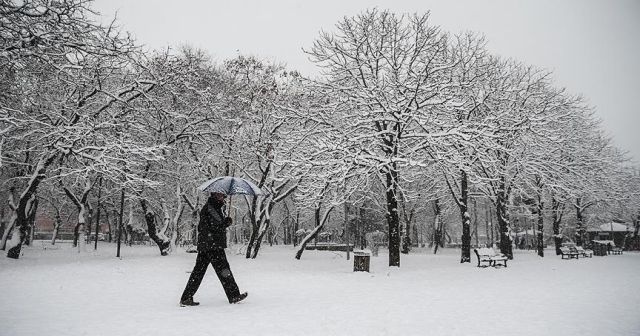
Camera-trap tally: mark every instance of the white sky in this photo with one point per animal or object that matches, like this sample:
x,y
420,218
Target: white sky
x,y
592,46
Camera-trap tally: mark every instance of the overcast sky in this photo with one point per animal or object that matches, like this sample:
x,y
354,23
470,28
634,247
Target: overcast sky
x,y
593,46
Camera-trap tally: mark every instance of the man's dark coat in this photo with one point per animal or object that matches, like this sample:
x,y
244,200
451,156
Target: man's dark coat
x,y
212,228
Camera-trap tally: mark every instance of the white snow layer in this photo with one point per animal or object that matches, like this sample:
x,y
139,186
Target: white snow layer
x,y
61,292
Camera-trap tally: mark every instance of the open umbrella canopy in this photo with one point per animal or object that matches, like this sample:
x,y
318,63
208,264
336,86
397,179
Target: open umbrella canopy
x,y
231,185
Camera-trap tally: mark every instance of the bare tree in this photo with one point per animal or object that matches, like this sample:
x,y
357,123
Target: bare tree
x,y
387,75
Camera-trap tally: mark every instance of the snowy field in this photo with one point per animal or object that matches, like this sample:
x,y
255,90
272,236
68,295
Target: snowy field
x,y
60,292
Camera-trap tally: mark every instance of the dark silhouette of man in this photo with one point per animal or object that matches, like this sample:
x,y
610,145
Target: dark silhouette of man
x,y
212,240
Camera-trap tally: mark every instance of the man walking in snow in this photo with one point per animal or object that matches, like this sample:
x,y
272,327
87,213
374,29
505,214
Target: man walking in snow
x,y
212,240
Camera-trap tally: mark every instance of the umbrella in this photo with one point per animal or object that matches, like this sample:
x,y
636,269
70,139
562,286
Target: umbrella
x,y
231,185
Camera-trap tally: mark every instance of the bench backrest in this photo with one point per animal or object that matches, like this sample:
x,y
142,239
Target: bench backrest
x,y
565,249
486,251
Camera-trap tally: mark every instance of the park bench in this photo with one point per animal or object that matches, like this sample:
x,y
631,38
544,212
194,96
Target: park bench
x,y
569,252
585,253
616,250
489,256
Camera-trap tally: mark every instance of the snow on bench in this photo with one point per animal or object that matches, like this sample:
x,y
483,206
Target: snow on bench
x,y
490,256
585,253
569,252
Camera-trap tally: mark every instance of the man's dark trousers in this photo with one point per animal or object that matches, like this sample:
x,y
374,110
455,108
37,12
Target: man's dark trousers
x,y
218,259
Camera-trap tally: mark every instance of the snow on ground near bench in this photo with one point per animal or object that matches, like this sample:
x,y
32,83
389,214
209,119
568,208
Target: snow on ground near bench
x,y
61,292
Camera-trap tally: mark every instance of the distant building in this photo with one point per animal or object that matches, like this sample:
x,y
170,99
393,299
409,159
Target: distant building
x,y
611,231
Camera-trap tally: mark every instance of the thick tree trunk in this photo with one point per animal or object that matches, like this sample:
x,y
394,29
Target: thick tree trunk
x,y
32,221
393,220
255,227
406,228
475,222
80,231
23,218
95,243
296,227
503,220
265,223
150,218
56,228
558,208
463,204
437,236
24,204
8,229
252,240
261,233
109,226
579,222
539,233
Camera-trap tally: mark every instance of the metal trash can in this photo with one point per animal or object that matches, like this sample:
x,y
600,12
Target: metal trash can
x,y
361,261
600,249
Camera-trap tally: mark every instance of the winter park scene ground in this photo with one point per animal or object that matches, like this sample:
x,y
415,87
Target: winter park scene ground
x,y
388,167
61,292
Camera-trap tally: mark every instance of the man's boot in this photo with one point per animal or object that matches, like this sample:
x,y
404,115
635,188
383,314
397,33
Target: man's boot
x,y
239,298
188,302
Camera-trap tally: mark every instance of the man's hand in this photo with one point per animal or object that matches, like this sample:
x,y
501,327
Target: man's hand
x,y
228,221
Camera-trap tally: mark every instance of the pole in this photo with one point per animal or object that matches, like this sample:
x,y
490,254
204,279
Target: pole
x,y
120,223
95,245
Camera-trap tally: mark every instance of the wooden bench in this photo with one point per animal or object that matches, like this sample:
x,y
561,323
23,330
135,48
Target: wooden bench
x,y
489,256
585,253
569,252
616,250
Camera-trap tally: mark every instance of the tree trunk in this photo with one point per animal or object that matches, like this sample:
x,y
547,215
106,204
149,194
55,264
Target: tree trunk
x,y
296,227
539,233
24,203
109,226
56,228
255,227
120,216
32,222
150,218
437,236
488,228
503,219
557,208
80,230
319,224
265,222
463,204
252,240
8,229
261,233
475,221
579,222
393,219
95,244
23,217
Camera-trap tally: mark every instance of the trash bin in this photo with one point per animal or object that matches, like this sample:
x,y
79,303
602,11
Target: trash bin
x,y
600,249
361,260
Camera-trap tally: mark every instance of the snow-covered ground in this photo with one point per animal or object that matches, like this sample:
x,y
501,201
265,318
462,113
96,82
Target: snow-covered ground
x,y
60,292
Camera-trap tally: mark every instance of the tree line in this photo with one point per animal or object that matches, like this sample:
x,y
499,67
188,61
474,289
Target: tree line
x,y
406,120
